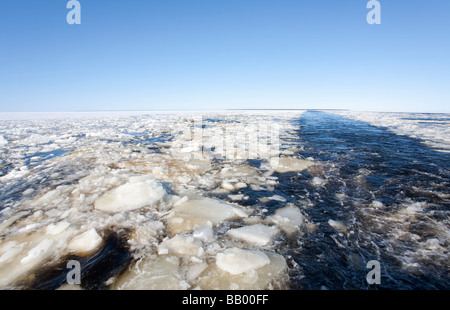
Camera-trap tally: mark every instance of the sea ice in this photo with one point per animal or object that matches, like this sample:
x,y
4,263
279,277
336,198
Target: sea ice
x,y
182,245
38,251
289,219
318,181
85,243
227,186
23,253
257,234
160,273
236,197
204,233
145,234
340,196
195,213
236,261
339,226
139,192
117,164
240,185
239,269
288,164
274,197
432,128
56,229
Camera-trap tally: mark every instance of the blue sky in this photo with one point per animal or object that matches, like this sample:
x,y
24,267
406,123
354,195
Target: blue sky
x,y
224,54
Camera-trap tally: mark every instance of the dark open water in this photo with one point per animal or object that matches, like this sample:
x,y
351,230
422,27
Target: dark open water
x,y
370,164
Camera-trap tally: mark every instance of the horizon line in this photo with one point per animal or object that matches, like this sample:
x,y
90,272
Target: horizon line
x,y
240,109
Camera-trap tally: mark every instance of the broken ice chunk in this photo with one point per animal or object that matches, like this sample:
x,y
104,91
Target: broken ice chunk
x,y
337,225
287,164
56,229
244,269
274,197
204,233
9,250
240,185
200,212
38,251
227,186
289,219
236,197
160,273
340,196
27,192
237,261
139,192
182,245
85,243
255,234
318,181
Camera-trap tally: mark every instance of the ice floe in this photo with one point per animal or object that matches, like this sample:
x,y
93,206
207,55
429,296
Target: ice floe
x,y
85,243
181,245
77,179
288,164
195,213
339,226
289,219
245,269
257,234
236,261
137,193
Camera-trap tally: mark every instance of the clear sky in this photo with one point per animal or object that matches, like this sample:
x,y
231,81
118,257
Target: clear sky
x,y
224,54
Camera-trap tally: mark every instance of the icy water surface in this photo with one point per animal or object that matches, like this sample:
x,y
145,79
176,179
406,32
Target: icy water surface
x,y
142,203
391,193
